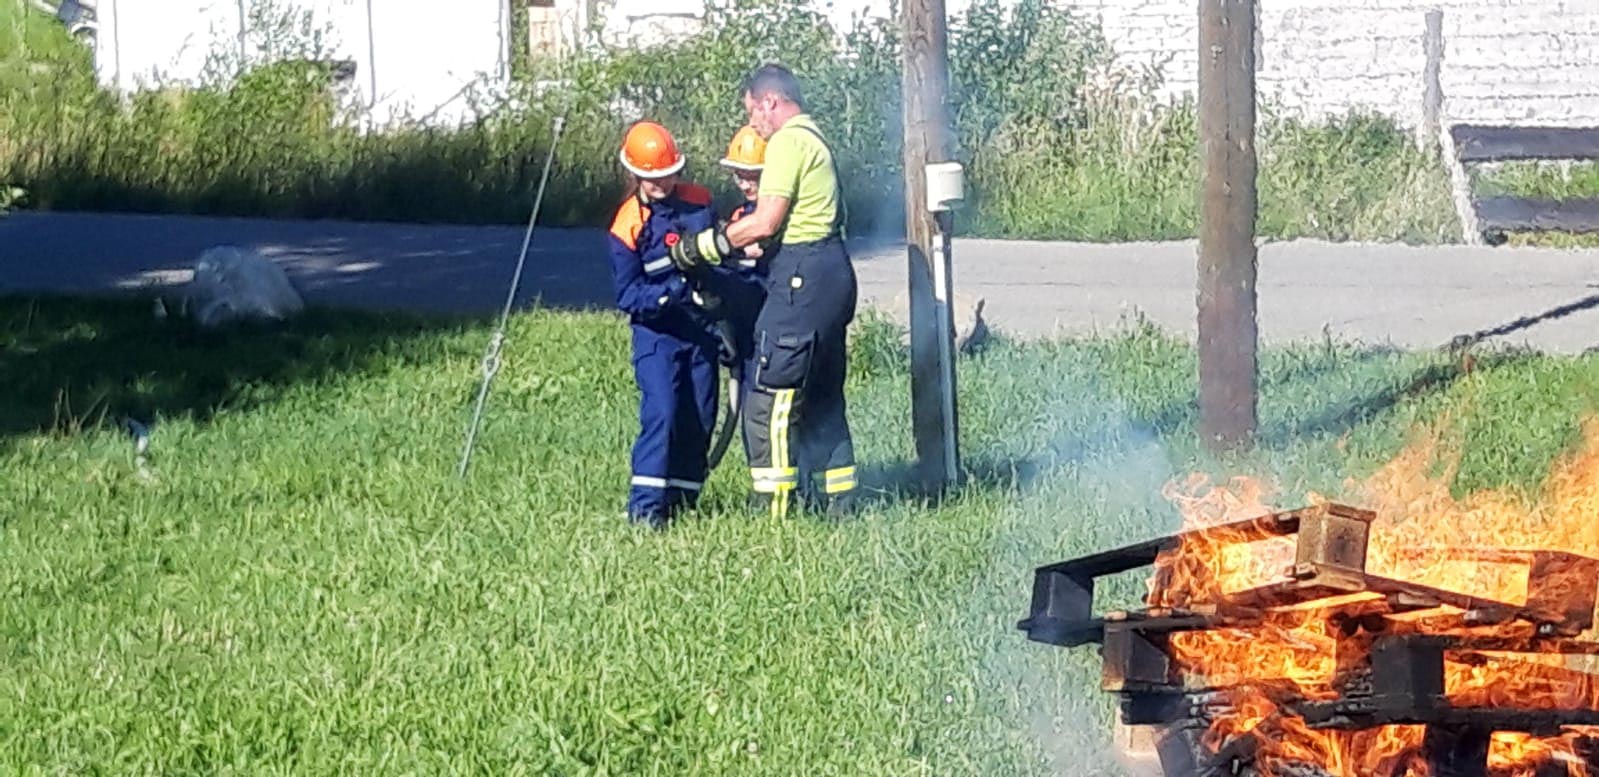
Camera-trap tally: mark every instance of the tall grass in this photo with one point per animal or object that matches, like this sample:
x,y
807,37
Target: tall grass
x,y
1061,142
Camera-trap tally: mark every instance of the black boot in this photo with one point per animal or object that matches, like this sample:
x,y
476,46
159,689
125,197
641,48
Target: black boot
x,y
654,522
842,507
799,502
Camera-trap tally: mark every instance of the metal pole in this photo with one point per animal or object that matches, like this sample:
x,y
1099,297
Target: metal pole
x,y
371,66
491,357
244,25
1432,97
116,47
943,298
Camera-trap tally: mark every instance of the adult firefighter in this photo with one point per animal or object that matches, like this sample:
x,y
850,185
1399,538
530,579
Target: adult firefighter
x,y
675,349
795,417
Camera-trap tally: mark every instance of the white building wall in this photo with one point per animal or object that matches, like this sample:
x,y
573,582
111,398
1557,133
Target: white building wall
x,y
414,58
147,43
427,54
1524,61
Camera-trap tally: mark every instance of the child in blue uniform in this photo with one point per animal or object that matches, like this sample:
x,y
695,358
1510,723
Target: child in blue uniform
x,y
674,344
744,284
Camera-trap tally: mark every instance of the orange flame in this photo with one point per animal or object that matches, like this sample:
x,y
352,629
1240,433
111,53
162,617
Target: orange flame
x,y
1419,537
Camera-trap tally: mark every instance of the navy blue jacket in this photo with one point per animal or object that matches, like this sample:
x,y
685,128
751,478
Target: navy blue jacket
x,y
653,293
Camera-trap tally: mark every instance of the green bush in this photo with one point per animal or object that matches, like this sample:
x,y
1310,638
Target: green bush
x,y
1358,177
1060,142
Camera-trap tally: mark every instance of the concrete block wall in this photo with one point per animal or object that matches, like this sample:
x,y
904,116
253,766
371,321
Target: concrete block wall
x,y
1520,61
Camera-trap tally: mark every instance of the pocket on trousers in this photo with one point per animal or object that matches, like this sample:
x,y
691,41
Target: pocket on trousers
x,y
785,361
644,362
644,349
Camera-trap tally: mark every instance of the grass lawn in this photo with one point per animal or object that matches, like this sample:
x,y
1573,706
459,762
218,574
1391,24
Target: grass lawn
x,y
296,582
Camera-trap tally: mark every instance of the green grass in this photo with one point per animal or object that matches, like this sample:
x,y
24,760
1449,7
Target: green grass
x,y
1540,179
295,581
1555,180
32,42
1133,175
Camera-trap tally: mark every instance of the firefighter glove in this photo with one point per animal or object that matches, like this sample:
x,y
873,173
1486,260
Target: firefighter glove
x,y
695,253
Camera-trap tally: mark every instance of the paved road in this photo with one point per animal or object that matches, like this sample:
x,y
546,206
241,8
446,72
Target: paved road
x,y
1409,297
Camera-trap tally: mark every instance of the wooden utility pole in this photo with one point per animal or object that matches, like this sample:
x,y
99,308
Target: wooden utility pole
x,y
925,86
1228,332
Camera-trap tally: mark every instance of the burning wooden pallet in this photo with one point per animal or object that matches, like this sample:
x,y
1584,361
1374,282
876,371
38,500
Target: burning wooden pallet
x,y
1331,670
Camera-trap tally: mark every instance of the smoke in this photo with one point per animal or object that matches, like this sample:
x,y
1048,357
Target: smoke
x,y
1069,719
1090,479
873,176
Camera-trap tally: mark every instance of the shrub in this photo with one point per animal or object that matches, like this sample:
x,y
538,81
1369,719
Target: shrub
x,y
1059,140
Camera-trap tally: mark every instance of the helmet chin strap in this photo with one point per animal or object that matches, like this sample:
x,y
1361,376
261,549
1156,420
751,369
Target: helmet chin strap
x,y
646,199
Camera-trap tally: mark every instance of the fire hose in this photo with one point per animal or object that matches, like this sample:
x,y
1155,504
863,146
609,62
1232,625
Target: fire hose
x,y
734,361
735,399
731,357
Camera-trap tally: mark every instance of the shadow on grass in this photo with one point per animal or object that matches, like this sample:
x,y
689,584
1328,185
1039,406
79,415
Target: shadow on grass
x,y
1339,415
67,365
1432,379
897,480
1525,322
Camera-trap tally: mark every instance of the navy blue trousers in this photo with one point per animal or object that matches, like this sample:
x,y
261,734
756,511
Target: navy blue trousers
x,y
677,413
794,421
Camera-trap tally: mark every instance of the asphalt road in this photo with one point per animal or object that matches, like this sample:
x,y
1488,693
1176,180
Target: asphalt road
x,y
1408,297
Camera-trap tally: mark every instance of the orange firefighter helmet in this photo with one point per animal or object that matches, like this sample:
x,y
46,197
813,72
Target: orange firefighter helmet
x,y
747,151
649,151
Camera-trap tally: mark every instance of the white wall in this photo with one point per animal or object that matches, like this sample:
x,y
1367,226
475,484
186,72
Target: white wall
x,y
1525,61
413,57
425,55
1528,61
151,42
629,23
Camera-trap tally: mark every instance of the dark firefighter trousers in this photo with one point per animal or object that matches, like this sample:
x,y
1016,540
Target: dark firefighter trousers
x,y
794,420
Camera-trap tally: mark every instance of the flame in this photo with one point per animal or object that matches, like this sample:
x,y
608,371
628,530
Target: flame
x,y
1419,537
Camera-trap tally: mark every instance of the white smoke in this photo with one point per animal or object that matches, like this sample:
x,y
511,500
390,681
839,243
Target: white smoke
x,y
1095,485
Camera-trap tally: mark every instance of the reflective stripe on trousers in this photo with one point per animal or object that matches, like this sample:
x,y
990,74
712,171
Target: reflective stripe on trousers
x,y
795,414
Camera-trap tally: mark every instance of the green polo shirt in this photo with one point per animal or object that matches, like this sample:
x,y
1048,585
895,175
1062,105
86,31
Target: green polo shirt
x,y
799,166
